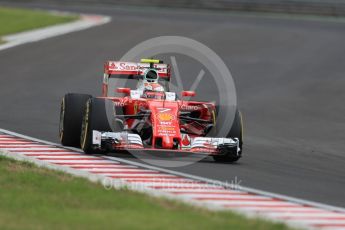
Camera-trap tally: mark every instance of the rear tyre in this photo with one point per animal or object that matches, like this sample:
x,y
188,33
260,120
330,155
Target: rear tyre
x,y
71,114
98,115
236,131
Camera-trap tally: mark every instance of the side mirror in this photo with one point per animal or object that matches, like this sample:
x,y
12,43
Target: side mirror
x,y
126,91
188,93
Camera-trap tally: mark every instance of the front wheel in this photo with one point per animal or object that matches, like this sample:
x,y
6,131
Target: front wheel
x,y
236,131
99,115
71,114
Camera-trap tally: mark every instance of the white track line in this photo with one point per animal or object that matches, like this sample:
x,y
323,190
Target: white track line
x,y
79,166
286,210
42,149
16,142
21,146
85,22
228,196
226,185
138,175
200,191
65,163
161,182
141,174
119,170
305,215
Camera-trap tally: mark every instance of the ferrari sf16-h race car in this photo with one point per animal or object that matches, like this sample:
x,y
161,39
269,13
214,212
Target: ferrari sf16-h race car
x,y
149,117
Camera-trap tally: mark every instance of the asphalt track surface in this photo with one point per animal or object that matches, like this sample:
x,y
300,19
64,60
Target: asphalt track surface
x,y
289,75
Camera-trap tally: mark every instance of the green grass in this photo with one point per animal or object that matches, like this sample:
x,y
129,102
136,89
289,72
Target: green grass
x,y
36,198
13,20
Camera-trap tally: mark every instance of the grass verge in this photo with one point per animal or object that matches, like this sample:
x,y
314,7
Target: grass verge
x,y
13,20
37,198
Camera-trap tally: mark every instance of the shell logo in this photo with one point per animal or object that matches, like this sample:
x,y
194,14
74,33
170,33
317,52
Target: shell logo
x,y
165,117
186,141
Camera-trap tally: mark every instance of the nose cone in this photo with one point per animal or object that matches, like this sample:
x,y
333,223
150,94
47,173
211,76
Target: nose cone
x,y
167,142
165,124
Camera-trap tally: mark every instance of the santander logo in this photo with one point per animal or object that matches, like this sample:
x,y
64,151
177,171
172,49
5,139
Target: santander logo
x,y
123,66
131,66
112,65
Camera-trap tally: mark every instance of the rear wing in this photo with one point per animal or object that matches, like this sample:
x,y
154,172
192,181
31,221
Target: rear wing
x,y
132,68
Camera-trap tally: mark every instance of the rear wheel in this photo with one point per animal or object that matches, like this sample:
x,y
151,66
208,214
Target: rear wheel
x,y
98,115
236,131
71,113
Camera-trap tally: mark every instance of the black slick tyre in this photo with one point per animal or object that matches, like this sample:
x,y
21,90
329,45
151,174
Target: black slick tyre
x,y
236,131
71,113
95,118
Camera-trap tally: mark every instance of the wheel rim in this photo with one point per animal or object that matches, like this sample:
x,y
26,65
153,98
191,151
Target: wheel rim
x,y
62,118
84,126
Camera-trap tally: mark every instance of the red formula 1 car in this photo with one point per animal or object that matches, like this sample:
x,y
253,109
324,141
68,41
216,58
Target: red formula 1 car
x,y
148,117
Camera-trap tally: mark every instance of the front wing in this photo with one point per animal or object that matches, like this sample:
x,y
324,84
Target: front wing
x,y
125,141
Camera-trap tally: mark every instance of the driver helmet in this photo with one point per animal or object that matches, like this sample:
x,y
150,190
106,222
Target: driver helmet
x,y
151,81
151,88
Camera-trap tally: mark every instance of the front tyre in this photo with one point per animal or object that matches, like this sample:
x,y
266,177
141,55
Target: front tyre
x,y
236,131
71,114
98,116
